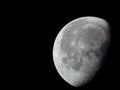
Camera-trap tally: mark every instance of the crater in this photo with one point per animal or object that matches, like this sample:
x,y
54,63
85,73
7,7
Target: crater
x,y
77,64
64,60
73,61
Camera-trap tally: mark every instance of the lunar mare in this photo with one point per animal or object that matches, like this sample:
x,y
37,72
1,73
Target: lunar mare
x,y
79,49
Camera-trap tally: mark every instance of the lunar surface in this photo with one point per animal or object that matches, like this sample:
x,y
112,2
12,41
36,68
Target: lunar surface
x,y
79,49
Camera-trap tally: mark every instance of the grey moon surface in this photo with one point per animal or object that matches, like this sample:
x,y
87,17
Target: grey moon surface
x,y
79,49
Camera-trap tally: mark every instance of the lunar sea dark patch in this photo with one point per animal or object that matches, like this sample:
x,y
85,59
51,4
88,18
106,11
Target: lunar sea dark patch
x,y
79,49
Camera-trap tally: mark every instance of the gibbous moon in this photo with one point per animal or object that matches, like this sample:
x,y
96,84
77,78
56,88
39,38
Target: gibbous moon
x,y
79,49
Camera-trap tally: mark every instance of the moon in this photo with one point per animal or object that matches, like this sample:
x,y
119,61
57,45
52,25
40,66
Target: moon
x,y
79,49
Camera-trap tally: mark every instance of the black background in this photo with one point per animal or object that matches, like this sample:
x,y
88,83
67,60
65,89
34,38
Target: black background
x,y
47,23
